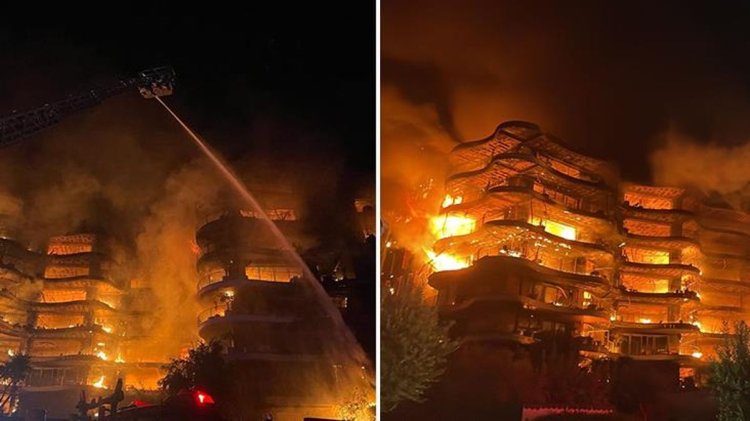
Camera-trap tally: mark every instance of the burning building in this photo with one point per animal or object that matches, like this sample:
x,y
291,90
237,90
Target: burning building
x,y
65,309
534,238
85,324
258,302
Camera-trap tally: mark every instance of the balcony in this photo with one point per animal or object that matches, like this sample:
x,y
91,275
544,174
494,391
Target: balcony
x,y
558,310
78,331
488,267
669,297
221,314
654,328
269,280
490,238
511,164
522,338
510,200
661,270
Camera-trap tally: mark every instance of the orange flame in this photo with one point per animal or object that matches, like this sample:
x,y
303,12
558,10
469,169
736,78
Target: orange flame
x,y
442,261
100,383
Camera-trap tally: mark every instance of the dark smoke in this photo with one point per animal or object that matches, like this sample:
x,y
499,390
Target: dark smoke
x,y
126,170
614,80
607,77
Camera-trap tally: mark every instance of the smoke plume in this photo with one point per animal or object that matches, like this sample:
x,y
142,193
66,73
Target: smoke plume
x,y
607,78
719,171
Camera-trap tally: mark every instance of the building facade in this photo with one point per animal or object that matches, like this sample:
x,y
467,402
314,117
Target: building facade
x,y
67,311
534,238
260,304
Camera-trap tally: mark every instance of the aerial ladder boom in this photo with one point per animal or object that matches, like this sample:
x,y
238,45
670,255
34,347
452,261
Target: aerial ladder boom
x,y
158,81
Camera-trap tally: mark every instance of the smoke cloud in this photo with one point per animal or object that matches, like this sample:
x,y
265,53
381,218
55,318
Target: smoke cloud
x,y
609,79
719,171
126,170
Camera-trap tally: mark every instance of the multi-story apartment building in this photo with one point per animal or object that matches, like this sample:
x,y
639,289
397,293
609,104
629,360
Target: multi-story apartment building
x,y
65,309
533,238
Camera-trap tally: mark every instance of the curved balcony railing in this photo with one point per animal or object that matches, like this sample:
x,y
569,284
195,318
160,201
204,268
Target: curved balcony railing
x,y
279,274
212,277
543,168
527,256
548,196
663,327
224,313
532,301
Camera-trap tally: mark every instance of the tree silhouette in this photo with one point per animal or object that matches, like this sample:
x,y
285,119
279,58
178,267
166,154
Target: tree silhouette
x,y
730,375
414,347
204,368
12,376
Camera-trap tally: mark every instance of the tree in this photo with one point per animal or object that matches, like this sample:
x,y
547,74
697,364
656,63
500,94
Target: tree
x,y
204,367
414,347
730,375
12,376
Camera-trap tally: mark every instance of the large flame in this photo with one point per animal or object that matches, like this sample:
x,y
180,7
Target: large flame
x,y
443,226
449,225
445,261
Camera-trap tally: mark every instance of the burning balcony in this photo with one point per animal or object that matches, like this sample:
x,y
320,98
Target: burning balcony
x,y
527,241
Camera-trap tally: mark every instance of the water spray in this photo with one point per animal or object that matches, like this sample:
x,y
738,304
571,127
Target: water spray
x,y
342,333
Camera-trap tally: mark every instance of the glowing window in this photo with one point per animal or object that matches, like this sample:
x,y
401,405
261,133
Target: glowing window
x,y
63,295
560,230
272,273
451,225
58,321
586,298
556,228
654,257
58,272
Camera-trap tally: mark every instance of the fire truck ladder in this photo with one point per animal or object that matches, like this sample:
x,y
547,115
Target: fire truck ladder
x,y
16,126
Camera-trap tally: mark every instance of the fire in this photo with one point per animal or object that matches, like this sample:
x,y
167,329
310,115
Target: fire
x,y
443,226
107,329
119,359
555,228
450,200
102,355
440,262
100,383
449,225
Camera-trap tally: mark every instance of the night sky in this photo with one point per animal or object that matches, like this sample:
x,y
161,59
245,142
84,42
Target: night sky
x,y
610,78
311,69
282,93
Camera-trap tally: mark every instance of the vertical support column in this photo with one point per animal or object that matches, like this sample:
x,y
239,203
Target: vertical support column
x,y
673,313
